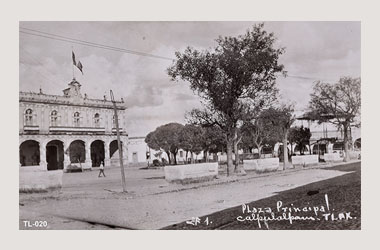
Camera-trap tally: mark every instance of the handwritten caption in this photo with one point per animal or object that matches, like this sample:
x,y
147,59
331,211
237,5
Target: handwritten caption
x,y
196,221
264,215
291,213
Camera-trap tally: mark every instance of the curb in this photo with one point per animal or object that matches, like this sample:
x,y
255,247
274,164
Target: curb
x,y
243,178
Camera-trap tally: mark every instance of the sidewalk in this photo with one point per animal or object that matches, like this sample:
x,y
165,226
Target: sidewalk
x,y
138,187
151,208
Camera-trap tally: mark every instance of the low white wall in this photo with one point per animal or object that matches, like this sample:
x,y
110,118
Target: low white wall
x,y
305,160
332,157
250,165
262,165
39,180
354,155
35,168
267,165
191,172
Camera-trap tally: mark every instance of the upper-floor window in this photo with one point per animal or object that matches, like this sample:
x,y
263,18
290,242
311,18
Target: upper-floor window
x,y
29,117
97,120
76,119
54,118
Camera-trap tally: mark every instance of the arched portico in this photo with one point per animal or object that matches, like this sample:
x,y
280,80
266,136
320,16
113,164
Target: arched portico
x,y
55,155
97,152
358,143
113,148
77,151
29,153
114,153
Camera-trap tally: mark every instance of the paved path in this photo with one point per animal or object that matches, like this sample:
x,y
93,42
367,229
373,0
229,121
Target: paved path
x,y
148,207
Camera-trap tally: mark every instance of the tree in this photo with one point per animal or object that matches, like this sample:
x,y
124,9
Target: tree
x,y
259,132
166,138
213,140
190,139
281,118
300,136
338,104
238,72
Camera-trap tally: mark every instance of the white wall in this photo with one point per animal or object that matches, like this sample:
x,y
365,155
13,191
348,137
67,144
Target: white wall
x,y
138,147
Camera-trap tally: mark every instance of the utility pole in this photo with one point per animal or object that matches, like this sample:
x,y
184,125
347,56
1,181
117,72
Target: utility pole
x,y
119,143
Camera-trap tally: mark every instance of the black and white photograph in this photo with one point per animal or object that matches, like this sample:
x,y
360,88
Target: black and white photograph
x,y
189,125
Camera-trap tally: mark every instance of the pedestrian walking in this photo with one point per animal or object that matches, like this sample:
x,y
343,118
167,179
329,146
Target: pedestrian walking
x,y
101,169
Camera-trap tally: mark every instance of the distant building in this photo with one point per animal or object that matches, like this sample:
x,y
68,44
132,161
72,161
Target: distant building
x,y
138,151
328,136
58,130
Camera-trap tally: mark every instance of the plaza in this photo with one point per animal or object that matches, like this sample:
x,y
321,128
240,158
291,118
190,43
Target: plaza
x,y
151,202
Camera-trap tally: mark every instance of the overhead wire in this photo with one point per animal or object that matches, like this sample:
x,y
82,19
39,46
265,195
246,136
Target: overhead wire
x,y
67,39
90,44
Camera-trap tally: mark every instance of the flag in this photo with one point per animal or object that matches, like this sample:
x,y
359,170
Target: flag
x,y
73,56
80,66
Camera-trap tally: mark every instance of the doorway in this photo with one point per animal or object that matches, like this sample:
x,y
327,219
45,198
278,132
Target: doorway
x,y
135,158
54,155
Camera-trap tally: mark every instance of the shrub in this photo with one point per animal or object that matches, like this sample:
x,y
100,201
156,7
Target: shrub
x,y
73,168
156,163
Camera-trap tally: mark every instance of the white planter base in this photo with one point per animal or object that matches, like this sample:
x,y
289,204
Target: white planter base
x,y
191,173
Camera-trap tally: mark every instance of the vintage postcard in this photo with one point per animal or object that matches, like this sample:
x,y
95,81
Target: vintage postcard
x,y
190,125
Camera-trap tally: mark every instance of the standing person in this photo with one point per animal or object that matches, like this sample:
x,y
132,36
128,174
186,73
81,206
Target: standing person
x,y
101,169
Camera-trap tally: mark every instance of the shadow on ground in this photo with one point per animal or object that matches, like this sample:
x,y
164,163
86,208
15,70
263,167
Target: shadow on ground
x,y
344,195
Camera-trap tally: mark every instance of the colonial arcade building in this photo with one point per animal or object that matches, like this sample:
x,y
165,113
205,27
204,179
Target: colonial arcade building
x,y
56,131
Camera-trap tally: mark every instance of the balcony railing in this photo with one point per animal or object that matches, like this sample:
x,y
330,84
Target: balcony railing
x,y
28,127
76,129
120,130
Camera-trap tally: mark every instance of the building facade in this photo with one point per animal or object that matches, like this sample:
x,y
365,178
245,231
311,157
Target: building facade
x,y
56,131
138,150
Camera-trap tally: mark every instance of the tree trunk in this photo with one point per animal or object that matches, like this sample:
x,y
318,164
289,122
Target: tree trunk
x,y
236,152
186,156
258,149
229,154
168,153
175,158
238,167
291,148
285,146
310,148
205,155
345,141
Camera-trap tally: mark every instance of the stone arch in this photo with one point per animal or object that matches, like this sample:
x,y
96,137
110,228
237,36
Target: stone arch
x,y
338,146
30,153
97,152
77,151
358,143
55,155
114,147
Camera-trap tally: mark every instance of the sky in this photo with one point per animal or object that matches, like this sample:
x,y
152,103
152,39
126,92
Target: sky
x,y
314,51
